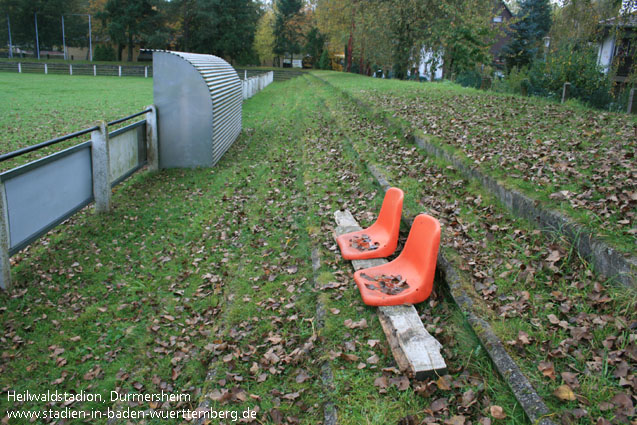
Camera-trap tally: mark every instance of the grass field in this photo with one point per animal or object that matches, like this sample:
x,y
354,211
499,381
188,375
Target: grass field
x,y
577,160
207,273
537,293
35,108
209,270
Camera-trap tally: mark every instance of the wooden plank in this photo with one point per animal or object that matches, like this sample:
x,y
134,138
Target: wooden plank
x,y
416,352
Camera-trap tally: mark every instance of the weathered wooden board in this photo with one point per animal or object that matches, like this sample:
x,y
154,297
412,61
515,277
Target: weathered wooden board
x,y
416,352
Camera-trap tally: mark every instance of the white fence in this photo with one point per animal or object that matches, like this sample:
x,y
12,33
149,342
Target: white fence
x,y
77,69
254,85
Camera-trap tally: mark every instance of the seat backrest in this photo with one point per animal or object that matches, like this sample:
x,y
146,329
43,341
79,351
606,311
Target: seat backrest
x,y
423,242
390,211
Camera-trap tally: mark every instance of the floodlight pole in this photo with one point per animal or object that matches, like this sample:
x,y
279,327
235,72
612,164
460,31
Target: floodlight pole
x,y
90,34
10,45
63,38
37,40
90,39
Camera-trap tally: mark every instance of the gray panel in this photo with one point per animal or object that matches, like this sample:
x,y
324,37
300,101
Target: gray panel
x,y
188,134
184,113
124,150
45,192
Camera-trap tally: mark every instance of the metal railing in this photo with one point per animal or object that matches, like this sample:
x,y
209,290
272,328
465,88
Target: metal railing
x,y
37,196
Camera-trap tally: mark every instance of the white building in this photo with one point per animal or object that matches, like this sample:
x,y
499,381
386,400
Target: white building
x,y
617,44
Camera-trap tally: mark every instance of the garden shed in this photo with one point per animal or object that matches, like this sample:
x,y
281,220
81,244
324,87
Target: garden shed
x,y
198,99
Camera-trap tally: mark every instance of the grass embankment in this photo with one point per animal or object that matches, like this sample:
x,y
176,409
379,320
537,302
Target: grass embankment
x,y
562,324
577,160
36,108
207,272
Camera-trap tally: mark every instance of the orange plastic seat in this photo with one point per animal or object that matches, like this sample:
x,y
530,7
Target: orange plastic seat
x,y
409,278
381,238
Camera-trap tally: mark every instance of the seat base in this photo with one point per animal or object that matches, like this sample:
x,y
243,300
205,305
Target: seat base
x,y
356,245
373,295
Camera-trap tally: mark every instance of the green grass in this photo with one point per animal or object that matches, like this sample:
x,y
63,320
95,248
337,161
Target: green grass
x,y
207,273
35,108
531,144
505,267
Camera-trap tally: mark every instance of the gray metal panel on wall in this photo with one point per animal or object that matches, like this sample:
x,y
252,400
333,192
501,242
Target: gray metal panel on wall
x,y
127,150
224,92
184,113
45,192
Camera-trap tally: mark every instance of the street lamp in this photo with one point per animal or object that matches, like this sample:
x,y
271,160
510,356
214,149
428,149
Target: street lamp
x,y
90,35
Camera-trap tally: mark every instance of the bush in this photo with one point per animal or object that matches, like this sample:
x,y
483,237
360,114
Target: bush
x,y
469,79
324,61
516,82
104,53
577,66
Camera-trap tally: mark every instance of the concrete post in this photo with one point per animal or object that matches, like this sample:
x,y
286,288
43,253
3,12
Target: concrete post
x,y
101,168
46,69
94,70
152,146
70,69
565,91
19,68
632,109
120,70
5,265
145,72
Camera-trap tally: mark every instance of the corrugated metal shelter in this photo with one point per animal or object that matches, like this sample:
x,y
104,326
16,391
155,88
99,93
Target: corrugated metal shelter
x,y
198,99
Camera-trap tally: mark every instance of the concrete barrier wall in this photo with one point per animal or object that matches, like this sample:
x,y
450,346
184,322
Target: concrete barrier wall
x,y
37,196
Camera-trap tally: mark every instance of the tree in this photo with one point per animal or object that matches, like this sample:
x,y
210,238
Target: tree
x,y
286,27
315,45
466,35
324,62
333,18
264,37
49,17
127,22
395,33
225,28
528,32
184,16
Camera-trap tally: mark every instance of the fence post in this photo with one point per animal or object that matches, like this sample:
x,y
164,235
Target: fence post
x,y
46,69
152,148
120,70
565,91
94,70
631,102
19,68
145,72
101,168
5,264
70,69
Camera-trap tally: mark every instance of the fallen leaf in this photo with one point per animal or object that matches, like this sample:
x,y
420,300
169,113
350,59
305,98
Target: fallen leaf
x,y
564,393
302,377
497,412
